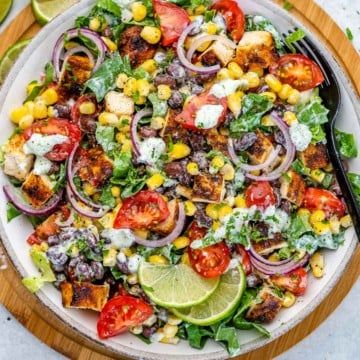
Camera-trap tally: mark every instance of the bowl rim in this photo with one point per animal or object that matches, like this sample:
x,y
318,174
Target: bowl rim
x,y
132,352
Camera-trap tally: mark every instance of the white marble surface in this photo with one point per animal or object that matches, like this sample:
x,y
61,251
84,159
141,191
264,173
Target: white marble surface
x,y
336,339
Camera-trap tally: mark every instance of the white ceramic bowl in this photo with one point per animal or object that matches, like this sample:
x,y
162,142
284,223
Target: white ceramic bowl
x,y
14,234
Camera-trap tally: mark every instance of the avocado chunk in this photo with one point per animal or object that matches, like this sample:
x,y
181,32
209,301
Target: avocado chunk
x,y
43,264
33,283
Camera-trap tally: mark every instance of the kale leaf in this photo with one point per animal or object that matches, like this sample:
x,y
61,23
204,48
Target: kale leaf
x,y
346,144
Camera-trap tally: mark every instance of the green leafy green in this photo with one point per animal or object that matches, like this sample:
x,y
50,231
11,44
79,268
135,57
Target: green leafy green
x,y
60,179
105,136
110,6
107,198
300,168
294,37
131,184
11,211
284,253
160,107
355,183
349,34
197,335
49,78
122,164
299,226
346,144
228,337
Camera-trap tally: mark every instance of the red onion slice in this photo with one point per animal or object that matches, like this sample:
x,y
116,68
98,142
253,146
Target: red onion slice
x,y
27,209
185,61
171,237
133,129
264,261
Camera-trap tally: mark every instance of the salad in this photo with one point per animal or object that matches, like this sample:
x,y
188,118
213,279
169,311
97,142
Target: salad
x,y
172,161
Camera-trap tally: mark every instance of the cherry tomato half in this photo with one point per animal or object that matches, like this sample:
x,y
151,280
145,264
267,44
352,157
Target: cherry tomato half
x,y
295,281
173,21
56,126
234,17
298,71
245,259
320,199
261,194
121,312
142,210
187,117
211,261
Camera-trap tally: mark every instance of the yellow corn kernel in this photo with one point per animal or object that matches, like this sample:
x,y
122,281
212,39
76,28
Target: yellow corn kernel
x,y
185,259
199,10
252,78
51,112
192,168
334,225
26,121
215,225
31,86
190,208
256,69
115,191
89,189
126,146
223,74
155,181
139,11
141,233
346,221
17,114
235,70
267,120
181,242
30,105
288,299
157,123
151,34
50,96
317,216
240,202
274,257
270,95
217,162
228,172
179,151
158,259
173,320
317,175
211,28
285,92
140,100
121,80
87,108
203,47
44,246
107,118
94,24
127,252
234,102
294,97
143,87
290,117
304,212
170,330
224,211
132,279
273,83
120,138
172,341
149,65
212,211
110,44
317,264
321,228
164,92
130,87
40,110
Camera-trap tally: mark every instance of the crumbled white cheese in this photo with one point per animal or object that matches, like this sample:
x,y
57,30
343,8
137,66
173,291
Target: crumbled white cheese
x,y
208,116
41,144
120,238
151,149
227,87
300,136
134,262
42,165
121,258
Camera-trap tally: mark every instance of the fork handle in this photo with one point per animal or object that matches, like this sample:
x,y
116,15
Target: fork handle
x,y
344,183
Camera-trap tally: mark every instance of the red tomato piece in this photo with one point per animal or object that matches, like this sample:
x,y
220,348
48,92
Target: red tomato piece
x,y
298,71
56,126
187,117
33,239
211,261
320,199
245,259
261,194
121,312
295,281
173,21
234,17
142,210
75,110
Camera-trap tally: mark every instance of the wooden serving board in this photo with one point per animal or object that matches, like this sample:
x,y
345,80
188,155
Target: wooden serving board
x,y
29,311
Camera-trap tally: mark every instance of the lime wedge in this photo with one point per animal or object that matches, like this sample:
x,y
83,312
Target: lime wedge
x,y
221,303
7,61
175,286
5,6
46,10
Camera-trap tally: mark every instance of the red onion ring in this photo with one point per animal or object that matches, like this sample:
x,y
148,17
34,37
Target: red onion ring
x,y
290,154
47,209
71,34
133,129
264,261
168,239
185,61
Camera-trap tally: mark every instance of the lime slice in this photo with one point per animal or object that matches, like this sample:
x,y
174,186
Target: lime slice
x,y
46,10
220,304
175,286
7,61
5,6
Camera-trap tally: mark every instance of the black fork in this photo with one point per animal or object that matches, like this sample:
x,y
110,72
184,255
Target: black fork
x,y
331,95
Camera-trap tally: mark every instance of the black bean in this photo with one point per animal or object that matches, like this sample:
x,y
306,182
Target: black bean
x,y
176,100
147,131
197,89
83,271
286,206
148,331
203,78
200,158
165,80
88,124
253,280
97,269
64,111
279,137
198,141
201,218
246,141
176,71
56,256
229,118
107,32
53,240
123,267
177,170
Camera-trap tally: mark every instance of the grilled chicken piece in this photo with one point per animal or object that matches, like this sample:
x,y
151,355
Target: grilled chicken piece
x,y
208,188
172,128
16,162
37,189
96,168
261,149
218,51
84,295
315,156
255,48
133,45
78,69
119,103
293,187
167,226
266,306
268,246
184,191
217,141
